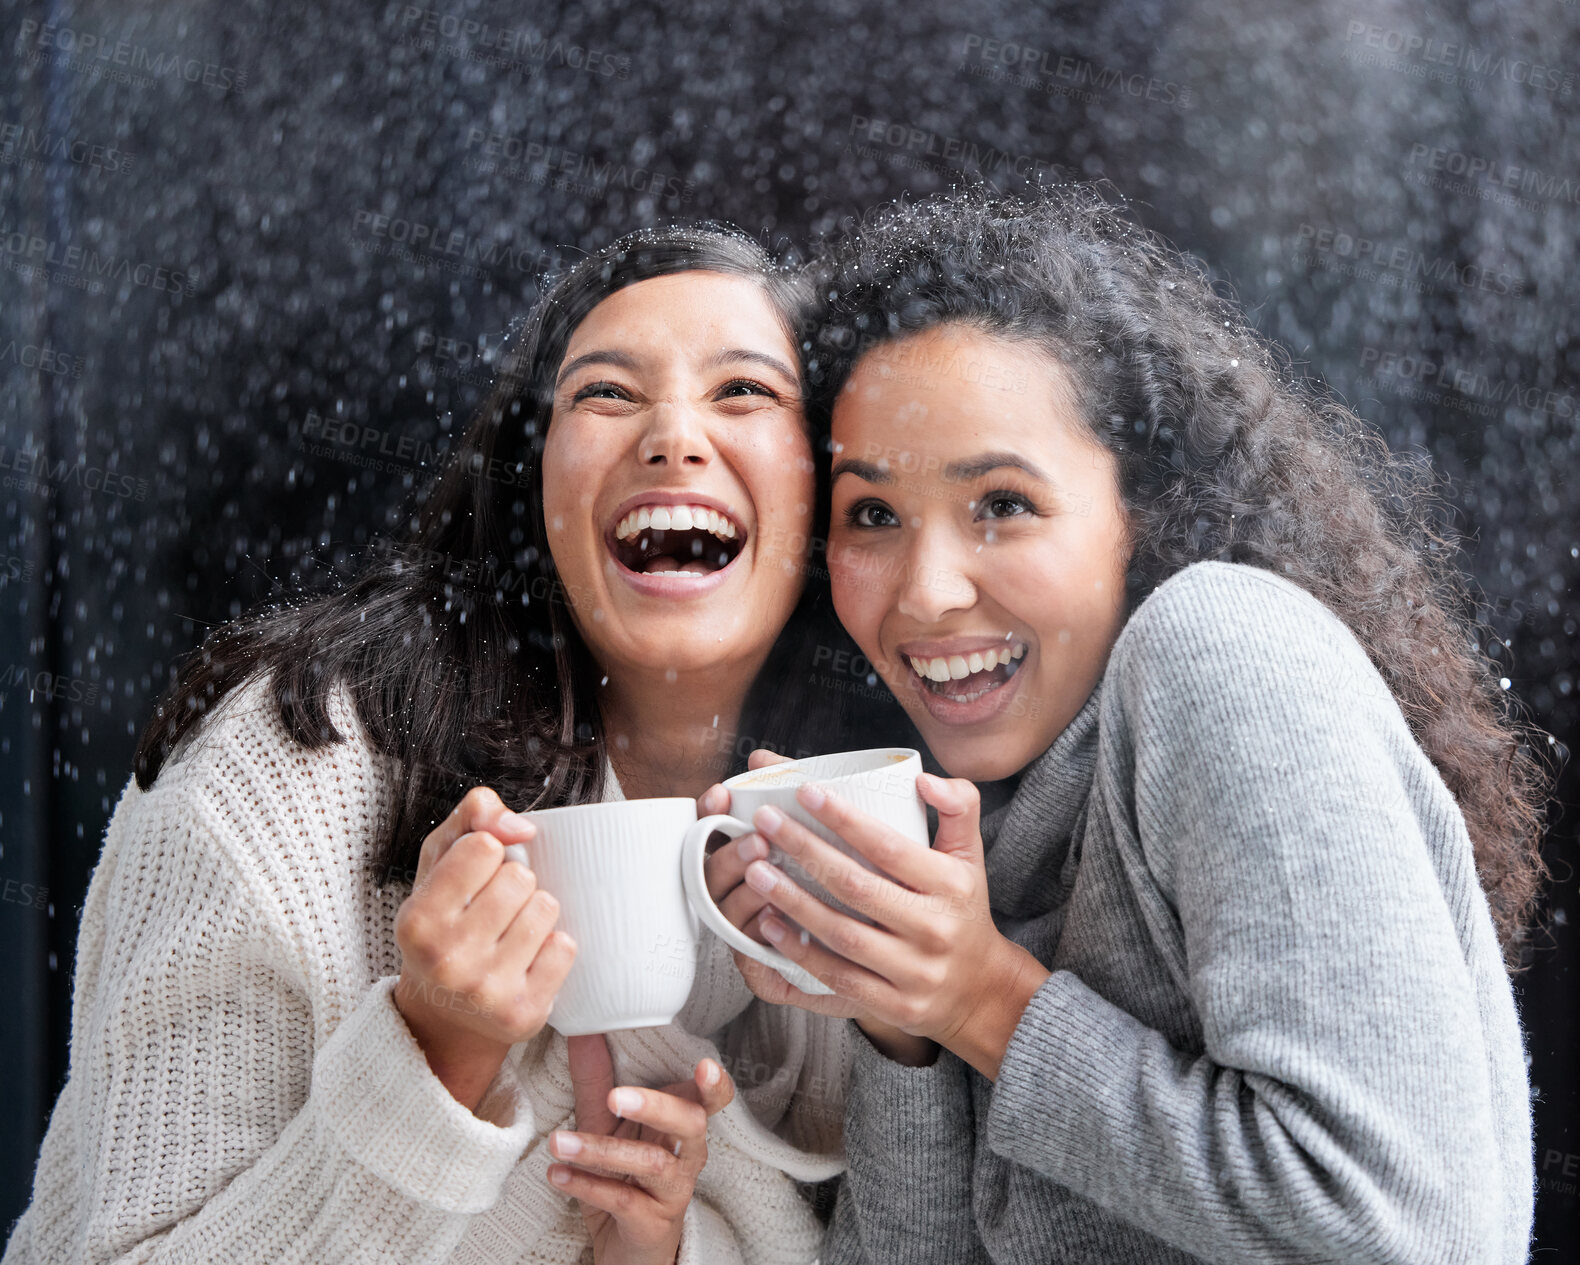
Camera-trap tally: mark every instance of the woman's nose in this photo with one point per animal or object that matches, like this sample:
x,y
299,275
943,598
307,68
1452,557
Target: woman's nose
x,y
675,436
934,584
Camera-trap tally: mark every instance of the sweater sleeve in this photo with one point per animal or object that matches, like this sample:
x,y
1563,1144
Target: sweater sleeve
x,y
910,1142
1340,1107
199,1123
706,1237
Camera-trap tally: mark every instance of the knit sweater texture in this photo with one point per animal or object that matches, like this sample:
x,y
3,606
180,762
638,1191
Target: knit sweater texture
x,y
1277,1028
242,1087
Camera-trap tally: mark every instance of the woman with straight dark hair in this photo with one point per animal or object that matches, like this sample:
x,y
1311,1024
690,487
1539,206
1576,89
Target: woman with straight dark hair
x,y
311,991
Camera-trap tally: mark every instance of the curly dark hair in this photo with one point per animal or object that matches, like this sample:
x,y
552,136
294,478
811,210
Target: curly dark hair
x,y
1223,453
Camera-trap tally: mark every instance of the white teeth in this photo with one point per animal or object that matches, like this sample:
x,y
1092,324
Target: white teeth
x,y
956,667
675,518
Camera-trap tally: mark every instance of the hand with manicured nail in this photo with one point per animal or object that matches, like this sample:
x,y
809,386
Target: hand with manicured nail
x,y
480,959
633,1160
932,965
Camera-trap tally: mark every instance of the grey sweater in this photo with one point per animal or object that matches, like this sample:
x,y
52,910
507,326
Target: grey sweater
x,y
1278,1027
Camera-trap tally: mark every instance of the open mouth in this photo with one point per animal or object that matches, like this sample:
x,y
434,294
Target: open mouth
x,y
677,539
964,678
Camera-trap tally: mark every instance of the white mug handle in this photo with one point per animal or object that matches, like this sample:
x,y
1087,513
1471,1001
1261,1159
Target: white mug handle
x,y
692,858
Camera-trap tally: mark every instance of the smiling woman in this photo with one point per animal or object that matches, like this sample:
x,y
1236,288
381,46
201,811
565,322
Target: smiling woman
x,y
311,989
678,497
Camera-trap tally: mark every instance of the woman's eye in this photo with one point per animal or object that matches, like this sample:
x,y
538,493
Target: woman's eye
x,y
870,514
746,386
601,391
1004,505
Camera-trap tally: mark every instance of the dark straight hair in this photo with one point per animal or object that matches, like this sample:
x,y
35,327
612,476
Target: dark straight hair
x,y
456,643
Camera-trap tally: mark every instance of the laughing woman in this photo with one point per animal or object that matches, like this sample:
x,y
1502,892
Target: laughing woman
x,y
1224,979
285,1049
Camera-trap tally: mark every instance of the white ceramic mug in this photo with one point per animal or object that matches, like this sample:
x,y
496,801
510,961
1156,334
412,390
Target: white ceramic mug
x,y
880,782
633,892
615,869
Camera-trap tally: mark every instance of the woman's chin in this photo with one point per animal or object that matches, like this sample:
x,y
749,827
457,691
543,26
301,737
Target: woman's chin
x,y
977,761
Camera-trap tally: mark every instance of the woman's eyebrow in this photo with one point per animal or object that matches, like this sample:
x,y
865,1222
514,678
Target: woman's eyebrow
x,y
733,354
955,471
861,469
619,359
974,467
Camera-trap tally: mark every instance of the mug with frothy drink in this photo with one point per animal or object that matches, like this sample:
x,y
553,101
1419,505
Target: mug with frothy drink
x,y
629,879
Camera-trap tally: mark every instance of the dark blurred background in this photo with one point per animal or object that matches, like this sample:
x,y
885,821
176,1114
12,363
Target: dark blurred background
x,y
258,260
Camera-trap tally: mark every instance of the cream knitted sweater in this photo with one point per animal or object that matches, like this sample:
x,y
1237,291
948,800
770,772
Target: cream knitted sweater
x,y
242,1088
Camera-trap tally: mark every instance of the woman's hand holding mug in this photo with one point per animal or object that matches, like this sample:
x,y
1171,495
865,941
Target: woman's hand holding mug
x,y
480,958
746,907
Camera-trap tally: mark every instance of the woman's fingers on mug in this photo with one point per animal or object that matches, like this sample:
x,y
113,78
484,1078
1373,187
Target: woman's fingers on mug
x,y
463,871
855,941
773,988
546,975
524,935
761,759
885,847
714,800
849,980
495,905
727,863
479,809
741,906
851,882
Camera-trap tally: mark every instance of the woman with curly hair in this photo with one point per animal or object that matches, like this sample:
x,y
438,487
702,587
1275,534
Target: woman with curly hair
x,y
1223,975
